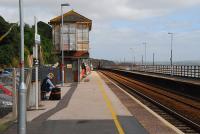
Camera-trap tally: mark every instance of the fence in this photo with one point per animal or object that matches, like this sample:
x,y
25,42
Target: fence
x,y
175,70
44,71
10,84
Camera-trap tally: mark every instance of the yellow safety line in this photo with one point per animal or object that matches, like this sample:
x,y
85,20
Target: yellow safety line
x,y
110,107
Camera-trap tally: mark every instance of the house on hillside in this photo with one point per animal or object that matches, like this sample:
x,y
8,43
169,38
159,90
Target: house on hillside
x,y
75,40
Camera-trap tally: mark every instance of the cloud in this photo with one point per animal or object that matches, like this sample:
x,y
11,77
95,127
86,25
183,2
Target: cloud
x,y
130,9
101,10
114,41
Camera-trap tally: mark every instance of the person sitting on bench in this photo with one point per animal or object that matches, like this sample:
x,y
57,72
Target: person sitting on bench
x,y
47,86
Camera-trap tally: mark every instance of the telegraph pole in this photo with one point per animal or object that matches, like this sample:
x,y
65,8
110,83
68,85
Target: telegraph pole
x,y
22,88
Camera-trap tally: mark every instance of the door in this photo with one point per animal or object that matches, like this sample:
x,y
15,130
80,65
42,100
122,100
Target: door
x,y
69,72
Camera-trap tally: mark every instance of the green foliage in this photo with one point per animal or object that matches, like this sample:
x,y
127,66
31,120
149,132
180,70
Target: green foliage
x,y
4,25
46,42
5,55
15,62
10,45
29,38
45,29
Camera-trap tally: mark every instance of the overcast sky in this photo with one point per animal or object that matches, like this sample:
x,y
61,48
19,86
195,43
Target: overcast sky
x,y
119,25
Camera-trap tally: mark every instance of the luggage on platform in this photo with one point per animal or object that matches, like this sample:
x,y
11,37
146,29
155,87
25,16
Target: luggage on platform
x,y
55,94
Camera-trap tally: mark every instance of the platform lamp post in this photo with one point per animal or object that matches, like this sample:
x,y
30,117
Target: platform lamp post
x,y
145,54
171,57
36,62
153,58
133,60
62,44
142,62
22,87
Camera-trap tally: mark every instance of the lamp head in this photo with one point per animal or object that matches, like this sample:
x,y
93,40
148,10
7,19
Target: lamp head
x,y
65,4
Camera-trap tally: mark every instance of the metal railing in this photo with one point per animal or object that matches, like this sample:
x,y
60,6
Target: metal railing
x,y
175,70
44,71
7,101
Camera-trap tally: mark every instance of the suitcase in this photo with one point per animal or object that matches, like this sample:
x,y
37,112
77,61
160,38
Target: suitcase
x,y
55,94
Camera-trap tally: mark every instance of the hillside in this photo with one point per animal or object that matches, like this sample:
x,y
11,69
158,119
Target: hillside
x,y
98,63
10,45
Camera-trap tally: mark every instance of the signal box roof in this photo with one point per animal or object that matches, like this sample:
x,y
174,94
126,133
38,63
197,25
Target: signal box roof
x,y
71,17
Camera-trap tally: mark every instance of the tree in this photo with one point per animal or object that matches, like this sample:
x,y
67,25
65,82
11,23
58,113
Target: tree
x,y
10,45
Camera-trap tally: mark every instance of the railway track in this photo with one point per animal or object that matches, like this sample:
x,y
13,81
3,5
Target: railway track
x,y
182,112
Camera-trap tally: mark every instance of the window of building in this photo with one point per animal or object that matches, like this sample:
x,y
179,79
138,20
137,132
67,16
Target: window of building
x,y
69,36
82,33
56,37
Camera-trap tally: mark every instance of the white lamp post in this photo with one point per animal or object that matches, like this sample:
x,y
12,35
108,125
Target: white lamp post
x,y
171,58
133,60
22,87
37,42
62,44
145,54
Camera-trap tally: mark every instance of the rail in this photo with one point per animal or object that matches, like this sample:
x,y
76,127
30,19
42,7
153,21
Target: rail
x,y
139,89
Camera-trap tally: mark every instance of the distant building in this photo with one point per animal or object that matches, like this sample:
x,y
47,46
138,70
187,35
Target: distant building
x,y
76,30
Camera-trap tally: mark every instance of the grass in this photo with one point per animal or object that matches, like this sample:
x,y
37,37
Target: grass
x,y
4,126
5,122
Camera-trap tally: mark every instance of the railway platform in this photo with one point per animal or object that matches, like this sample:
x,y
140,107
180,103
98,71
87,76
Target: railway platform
x,y
193,81
91,107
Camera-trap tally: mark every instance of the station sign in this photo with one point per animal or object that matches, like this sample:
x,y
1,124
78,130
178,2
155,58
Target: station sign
x,y
37,39
69,66
36,62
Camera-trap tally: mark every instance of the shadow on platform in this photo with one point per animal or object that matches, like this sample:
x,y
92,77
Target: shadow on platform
x,y
40,125
63,103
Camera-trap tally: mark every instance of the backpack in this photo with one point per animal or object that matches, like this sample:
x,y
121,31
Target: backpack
x,y
44,86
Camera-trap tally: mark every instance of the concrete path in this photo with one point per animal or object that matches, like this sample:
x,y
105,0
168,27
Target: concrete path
x,y
85,108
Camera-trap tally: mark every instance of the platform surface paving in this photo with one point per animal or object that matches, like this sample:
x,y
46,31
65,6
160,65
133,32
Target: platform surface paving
x,y
88,107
